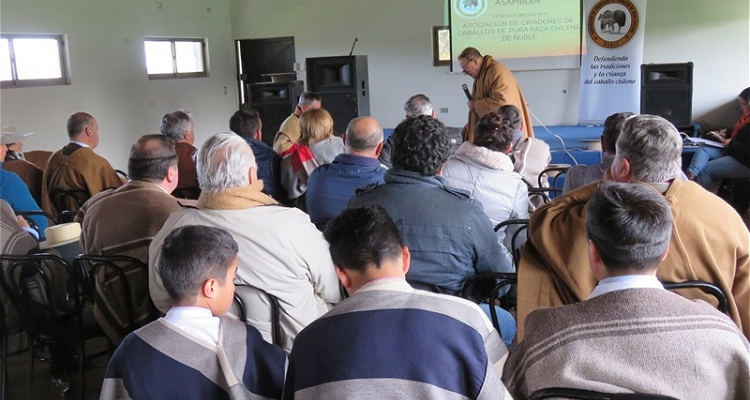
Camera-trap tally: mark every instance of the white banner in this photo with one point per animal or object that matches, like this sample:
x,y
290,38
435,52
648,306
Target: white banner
x,y
613,54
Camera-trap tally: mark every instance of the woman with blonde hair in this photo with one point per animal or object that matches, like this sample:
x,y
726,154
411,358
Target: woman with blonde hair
x,y
316,146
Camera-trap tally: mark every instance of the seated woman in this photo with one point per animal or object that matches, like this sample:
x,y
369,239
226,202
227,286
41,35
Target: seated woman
x,y
316,146
733,161
484,169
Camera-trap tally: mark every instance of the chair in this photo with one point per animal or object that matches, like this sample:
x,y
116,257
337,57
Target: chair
x,y
118,287
419,285
32,224
583,394
186,193
523,228
122,174
39,285
486,287
246,314
67,202
705,287
553,190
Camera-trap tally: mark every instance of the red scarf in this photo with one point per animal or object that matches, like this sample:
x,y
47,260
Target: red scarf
x,y
303,162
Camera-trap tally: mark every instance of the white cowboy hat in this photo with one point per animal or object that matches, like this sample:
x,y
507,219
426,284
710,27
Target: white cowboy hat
x,y
10,135
61,235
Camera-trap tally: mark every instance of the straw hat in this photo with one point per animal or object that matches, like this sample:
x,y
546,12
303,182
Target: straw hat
x,y
61,235
10,135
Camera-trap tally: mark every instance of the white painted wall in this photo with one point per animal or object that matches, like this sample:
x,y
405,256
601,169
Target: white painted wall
x,y
109,78
396,35
108,70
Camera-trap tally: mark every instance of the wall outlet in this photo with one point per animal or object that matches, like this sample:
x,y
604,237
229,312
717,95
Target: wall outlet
x,y
444,110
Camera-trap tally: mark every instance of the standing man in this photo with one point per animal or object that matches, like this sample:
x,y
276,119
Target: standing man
x,y
288,133
76,166
178,126
494,86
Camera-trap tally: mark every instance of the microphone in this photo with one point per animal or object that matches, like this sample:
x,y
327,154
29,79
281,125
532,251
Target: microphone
x,y
353,43
466,92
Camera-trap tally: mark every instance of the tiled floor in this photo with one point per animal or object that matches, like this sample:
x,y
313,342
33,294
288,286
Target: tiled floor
x,y
18,366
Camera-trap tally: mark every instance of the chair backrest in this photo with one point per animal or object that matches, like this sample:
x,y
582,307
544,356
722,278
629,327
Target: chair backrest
x,y
248,314
39,286
486,287
706,287
583,394
32,224
67,202
186,193
426,286
118,287
555,172
521,226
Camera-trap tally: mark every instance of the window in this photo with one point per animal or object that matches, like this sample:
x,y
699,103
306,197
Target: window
x,y
441,45
32,60
175,58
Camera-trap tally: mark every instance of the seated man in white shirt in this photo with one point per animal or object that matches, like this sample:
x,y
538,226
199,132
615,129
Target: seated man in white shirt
x,y
631,335
194,352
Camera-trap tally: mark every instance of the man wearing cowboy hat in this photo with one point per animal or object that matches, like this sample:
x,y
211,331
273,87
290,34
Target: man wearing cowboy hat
x,y
14,161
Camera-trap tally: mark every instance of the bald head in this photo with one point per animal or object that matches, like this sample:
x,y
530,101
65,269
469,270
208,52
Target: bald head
x,y
364,137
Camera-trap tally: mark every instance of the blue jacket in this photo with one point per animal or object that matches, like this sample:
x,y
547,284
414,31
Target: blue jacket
x,y
446,230
269,165
331,186
14,191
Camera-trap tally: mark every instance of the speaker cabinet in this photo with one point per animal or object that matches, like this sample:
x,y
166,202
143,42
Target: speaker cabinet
x,y
667,91
343,86
274,102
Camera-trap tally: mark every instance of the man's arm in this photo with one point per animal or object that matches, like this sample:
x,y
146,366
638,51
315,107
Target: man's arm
x,y
315,254
488,253
102,177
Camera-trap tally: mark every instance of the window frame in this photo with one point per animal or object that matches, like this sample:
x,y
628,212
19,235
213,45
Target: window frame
x,y
436,61
62,53
178,75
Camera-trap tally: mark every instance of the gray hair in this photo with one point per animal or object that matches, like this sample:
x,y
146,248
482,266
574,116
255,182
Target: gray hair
x,y
224,162
417,105
174,125
307,98
653,147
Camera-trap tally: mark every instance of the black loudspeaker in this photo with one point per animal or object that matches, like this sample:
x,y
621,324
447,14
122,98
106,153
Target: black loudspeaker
x,y
667,91
343,86
274,102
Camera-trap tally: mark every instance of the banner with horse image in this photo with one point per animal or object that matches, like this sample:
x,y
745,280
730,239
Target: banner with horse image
x,y
612,58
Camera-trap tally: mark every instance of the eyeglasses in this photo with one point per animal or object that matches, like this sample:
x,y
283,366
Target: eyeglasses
x,y
463,67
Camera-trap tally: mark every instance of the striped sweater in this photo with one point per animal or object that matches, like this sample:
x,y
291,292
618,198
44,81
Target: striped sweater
x,y
390,341
634,340
160,361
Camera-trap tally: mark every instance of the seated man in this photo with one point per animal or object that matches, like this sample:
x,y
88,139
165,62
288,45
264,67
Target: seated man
x,y
124,220
415,106
246,123
282,252
194,351
581,175
450,237
331,186
388,340
179,127
15,192
76,166
631,335
709,240
14,161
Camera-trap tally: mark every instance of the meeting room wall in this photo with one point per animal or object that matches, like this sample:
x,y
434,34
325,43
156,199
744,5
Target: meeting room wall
x,y
108,70
396,36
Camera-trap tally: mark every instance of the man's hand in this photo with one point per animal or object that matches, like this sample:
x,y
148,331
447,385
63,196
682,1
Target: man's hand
x,y
470,103
22,221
